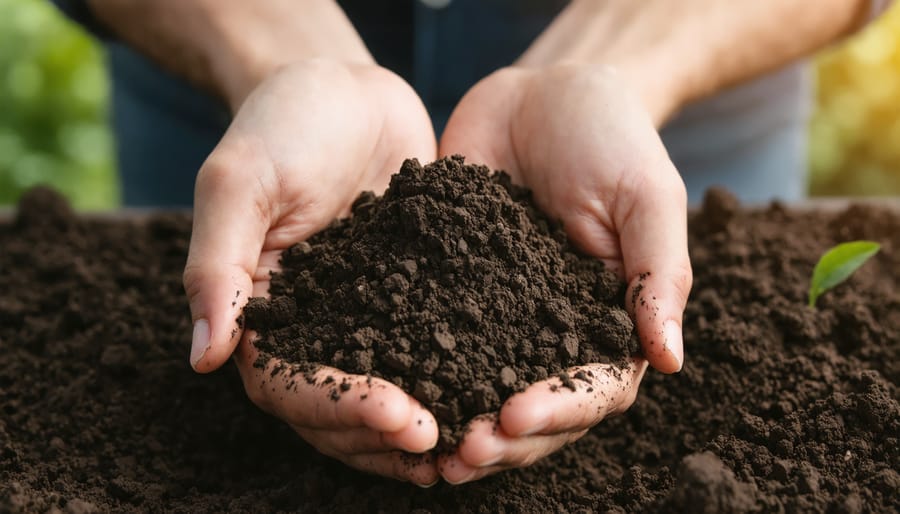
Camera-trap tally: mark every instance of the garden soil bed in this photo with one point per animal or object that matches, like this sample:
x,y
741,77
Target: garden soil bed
x,y
778,408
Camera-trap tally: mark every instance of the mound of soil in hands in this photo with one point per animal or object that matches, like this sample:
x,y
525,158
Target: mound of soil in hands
x,y
452,286
779,408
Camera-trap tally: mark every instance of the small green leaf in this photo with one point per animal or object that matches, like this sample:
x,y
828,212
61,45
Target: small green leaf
x,y
838,264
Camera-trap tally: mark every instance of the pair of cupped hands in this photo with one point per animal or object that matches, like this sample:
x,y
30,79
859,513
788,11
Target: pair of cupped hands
x,y
313,134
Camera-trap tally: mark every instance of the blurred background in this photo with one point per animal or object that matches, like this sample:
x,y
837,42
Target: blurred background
x,y
53,110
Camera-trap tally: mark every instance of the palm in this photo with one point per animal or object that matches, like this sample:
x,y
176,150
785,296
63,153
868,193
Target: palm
x,y
575,145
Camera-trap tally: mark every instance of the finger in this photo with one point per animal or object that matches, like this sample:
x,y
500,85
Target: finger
x,y
419,469
326,398
456,472
653,230
519,453
228,233
418,436
549,407
269,262
352,441
486,445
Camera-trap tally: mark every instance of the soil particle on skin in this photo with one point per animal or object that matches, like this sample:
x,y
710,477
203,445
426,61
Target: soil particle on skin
x,y
452,286
799,406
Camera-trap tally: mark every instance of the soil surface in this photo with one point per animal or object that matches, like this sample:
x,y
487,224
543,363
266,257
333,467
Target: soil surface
x,y
452,286
779,408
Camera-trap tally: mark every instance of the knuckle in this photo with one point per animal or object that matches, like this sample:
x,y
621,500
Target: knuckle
x,y
192,278
234,165
219,169
682,277
633,184
687,279
189,281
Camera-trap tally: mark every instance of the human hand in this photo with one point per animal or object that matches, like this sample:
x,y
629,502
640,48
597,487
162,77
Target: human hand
x,y
542,419
302,146
582,140
369,424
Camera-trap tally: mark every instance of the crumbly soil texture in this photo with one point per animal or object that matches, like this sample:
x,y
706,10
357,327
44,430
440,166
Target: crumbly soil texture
x,y
779,408
453,286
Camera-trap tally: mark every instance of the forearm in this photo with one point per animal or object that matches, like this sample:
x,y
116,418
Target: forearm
x,y
675,52
229,46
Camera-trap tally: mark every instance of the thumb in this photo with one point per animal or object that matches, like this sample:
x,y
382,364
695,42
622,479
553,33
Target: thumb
x,y
228,233
653,235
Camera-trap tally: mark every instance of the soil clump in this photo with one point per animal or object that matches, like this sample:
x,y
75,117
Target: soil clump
x,y
452,286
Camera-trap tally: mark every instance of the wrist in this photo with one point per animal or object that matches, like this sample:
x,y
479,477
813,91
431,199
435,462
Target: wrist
x,y
660,89
262,41
590,33
228,47
674,53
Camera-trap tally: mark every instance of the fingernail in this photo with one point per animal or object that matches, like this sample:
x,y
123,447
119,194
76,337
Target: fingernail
x,y
426,486
462,480
199,341
674,342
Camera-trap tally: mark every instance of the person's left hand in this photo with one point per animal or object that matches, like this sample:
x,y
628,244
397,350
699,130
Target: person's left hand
x,y
303,144
582,139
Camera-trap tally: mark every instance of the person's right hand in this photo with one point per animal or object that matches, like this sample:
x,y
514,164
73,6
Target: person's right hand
x,y
302,146
584,142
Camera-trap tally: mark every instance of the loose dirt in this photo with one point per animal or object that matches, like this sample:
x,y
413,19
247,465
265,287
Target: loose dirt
x,y
779,408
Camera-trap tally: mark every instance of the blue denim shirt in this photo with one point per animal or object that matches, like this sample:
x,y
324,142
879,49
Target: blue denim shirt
x,y
751,139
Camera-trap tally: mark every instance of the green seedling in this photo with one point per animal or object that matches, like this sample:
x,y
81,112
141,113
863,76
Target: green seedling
x,y
837,264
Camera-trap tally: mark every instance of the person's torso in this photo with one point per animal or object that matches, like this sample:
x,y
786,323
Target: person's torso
x,y
442,48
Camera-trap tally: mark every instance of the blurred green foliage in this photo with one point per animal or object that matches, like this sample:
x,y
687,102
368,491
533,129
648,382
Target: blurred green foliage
x,y
855,130
53,109
54,127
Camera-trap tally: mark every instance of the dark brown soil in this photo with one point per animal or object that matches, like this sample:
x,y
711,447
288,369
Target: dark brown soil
x,y
779,408
452,286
